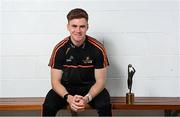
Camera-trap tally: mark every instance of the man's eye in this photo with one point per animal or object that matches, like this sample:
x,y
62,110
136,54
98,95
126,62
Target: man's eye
x,y
82,26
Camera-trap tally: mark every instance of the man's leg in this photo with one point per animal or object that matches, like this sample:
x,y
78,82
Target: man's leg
x,y
102,103
52,104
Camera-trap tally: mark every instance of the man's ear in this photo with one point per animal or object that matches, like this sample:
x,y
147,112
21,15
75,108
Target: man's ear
x,y
67,26
87,26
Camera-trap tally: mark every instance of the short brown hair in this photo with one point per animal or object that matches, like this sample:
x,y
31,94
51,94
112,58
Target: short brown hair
x,y
77,13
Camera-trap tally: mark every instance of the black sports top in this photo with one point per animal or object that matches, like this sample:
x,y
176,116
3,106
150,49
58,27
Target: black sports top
x,y
78,63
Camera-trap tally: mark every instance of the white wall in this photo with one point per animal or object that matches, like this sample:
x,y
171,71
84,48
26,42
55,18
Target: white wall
x,y
0,49
141,32
179,44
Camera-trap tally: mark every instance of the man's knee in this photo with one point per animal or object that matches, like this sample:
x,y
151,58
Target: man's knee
x,y
104,106
104,110
49,110
48,106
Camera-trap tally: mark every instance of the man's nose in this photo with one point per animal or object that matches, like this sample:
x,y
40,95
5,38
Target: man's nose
x,y
78,29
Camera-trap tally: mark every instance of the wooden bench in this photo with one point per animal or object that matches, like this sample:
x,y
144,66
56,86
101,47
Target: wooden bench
x,y
170,105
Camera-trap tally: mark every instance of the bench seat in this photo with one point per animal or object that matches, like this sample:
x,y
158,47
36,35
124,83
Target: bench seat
x,y
168,104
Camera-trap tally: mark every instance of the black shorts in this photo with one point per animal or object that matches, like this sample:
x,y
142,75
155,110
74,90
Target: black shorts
x,y
53,102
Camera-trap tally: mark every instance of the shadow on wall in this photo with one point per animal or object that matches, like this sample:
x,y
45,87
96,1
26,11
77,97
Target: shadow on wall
x,y
114,71
117,76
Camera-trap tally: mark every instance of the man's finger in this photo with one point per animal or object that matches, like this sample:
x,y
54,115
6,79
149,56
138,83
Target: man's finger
x,y
78,106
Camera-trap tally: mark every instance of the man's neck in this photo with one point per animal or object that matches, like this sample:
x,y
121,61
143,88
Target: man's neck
x,y
77,43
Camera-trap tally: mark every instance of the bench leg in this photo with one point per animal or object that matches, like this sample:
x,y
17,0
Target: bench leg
x,y
176,112
171,112
167,113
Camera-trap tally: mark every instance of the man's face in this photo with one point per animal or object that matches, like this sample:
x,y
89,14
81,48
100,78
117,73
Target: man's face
x,y
78,29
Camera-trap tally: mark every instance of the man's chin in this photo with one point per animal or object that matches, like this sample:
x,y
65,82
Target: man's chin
x,y
78,38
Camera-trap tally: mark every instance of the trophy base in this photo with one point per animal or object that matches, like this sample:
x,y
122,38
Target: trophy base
x,y
129,98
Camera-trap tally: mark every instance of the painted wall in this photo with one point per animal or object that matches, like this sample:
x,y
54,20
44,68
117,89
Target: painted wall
x,y
144,33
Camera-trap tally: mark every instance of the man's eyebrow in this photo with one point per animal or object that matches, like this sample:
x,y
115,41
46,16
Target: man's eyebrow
x,y
82,25
74,25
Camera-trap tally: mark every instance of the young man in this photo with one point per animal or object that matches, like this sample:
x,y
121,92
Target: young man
x,y
78,70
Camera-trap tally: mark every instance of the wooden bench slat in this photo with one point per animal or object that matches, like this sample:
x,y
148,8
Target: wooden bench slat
x,y
20,107
24,103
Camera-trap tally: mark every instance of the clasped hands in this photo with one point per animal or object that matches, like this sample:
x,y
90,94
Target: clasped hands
x,y
77,103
